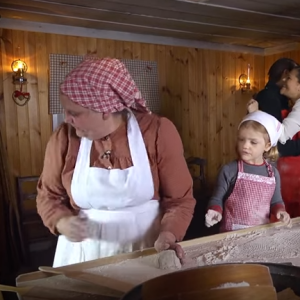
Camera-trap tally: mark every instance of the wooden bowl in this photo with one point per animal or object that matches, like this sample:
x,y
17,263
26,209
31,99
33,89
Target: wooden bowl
x,y
236,293
201,282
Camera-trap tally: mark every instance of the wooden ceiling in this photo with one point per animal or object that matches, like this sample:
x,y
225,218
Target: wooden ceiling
x,y
258,23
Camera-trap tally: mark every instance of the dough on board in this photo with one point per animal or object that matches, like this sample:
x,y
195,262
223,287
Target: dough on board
x,y
167,260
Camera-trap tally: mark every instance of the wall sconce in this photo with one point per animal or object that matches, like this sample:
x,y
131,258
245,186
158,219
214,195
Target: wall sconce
x,y
19,68
244,81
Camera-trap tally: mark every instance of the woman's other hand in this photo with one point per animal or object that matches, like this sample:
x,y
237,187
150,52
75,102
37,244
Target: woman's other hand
x,y
74,228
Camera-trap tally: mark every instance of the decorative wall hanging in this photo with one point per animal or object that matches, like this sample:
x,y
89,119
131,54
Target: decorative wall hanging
x,y
19,68
144,73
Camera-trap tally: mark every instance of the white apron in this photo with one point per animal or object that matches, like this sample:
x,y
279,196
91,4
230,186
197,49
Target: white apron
x,y
118,203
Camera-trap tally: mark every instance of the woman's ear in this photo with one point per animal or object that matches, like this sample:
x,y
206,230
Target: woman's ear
x,y
285,75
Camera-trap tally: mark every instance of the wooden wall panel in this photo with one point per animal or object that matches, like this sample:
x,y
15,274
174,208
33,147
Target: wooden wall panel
x,y
270,59
199,91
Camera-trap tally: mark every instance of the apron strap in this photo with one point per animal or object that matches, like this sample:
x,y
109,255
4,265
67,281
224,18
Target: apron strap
x,y
240,166
270,169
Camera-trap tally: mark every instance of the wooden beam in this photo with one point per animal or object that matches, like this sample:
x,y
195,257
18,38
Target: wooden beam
x,y
201,8
111,26
289,8
121,36
219,17
209,33
127,19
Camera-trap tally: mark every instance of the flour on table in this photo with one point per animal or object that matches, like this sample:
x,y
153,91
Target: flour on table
x,y
220,254
231,285
276,245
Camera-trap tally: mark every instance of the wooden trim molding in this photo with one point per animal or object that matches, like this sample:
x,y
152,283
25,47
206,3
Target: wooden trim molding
x,y
16,24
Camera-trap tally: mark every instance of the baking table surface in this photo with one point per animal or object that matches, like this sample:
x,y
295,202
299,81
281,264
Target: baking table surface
x,y
59,284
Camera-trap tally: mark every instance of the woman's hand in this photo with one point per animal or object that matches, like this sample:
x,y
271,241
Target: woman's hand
x,y
74,228
167,241
252,106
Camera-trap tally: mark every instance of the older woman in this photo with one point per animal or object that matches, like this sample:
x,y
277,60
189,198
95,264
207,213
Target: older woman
x,y
114,179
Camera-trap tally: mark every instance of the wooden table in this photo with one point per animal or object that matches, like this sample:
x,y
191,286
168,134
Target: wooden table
x,y
54,285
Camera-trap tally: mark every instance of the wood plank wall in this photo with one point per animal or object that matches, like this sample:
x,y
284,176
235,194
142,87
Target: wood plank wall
x,y
270,59
199,91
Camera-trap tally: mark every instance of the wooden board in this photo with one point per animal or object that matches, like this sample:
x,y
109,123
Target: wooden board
x,y
43,279
61,287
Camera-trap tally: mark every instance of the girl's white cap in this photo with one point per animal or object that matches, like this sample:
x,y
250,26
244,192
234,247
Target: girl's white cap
x,y
272,125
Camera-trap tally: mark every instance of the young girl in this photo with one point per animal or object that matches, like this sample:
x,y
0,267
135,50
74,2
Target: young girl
x,y
248,189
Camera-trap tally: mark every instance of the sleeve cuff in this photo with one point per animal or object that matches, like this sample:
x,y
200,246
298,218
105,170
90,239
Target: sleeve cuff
x,y
276,208
216,208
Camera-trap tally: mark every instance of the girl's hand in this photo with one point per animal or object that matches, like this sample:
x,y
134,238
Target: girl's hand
x,y
212,217
284,217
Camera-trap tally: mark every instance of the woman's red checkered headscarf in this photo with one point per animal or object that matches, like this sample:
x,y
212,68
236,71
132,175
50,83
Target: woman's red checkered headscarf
x,y
103,85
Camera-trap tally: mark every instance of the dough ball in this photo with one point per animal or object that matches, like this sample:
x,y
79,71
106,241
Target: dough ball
x,y
167,260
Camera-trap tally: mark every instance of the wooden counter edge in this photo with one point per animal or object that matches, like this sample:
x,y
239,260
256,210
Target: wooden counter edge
x,y
23,278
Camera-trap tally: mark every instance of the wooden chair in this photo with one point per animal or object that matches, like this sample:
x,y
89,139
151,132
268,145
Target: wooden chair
x,y
195,163
202,194
33,229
